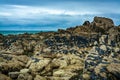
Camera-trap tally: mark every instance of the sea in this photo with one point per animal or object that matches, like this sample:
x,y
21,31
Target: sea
x,y
19,32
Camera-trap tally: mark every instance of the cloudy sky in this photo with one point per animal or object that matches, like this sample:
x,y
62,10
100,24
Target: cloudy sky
x,y
53,14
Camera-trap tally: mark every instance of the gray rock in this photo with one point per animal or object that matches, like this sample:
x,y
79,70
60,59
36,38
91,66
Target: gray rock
x,y
25,77
13,75
95,43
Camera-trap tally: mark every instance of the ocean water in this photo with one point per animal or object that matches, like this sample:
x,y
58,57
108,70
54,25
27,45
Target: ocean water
x,y
18,32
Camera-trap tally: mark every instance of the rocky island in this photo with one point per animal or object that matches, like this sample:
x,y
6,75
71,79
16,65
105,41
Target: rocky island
x,y
87,52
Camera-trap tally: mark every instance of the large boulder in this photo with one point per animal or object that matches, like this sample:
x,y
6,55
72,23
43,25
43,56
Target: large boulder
x,y
55,66
104,23
38,66
12,63
9,66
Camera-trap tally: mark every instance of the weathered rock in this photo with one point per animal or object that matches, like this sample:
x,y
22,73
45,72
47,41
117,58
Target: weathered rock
x,y
117,49
23,58
24,71
14,75
114,68
25,77
95,43
86,23
86,76
39,78
103,22
59,63
38,66
4,77
9,66
78,53
103,47
103,39
63,73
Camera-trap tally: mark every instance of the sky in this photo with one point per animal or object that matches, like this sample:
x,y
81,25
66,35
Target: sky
x,y
51,15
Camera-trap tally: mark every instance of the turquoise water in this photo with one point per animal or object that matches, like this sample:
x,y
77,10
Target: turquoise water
x,y
18,32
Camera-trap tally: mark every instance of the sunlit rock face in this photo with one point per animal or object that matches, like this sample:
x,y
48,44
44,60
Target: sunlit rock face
x,y
103,22
98,25
86,52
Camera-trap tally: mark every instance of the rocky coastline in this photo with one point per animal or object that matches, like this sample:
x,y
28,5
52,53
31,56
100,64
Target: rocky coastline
x,y
87,52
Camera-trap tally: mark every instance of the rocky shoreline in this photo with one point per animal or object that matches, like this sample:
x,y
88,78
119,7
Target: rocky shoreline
x,y
87,52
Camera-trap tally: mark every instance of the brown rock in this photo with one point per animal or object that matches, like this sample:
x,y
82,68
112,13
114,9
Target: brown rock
x,y
39,78
10,66
4,77
114,68
25,77
14,75
104,23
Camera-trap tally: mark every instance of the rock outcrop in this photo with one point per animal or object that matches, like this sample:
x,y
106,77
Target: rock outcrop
x,y
104,23
86,52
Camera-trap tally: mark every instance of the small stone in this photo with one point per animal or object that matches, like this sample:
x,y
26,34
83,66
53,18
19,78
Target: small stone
x,y
95,43
25,77
39,78
24,70
103,47
13,75
117,49
86,76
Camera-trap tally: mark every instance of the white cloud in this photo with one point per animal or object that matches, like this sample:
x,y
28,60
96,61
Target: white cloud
x,y
21,14
5,14
19,11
